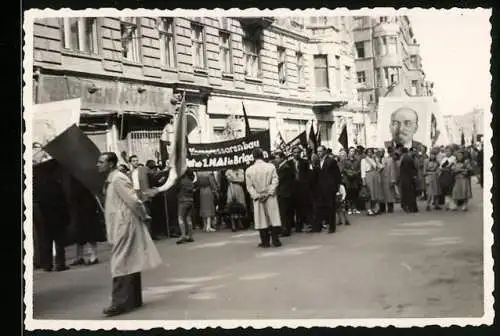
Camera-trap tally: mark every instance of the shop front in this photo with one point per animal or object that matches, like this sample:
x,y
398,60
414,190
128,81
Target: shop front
x,y
224,112
117,116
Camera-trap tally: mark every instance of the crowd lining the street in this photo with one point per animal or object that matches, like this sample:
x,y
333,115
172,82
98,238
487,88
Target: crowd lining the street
x,y
310,197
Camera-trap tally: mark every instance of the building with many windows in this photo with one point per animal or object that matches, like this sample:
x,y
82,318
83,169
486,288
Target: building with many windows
x,y
287,72
388,60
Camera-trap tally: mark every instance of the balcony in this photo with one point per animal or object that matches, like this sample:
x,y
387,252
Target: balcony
x,y
324,99
256,22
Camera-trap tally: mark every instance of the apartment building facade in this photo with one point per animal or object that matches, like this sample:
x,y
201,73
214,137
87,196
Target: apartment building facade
x,y
388,60
126,70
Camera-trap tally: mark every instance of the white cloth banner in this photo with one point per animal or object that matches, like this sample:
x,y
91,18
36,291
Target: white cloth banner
x,y
50,120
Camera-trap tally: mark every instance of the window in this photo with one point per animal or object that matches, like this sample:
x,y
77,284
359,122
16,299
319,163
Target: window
x,y
347,72
413,60
391,75
338,81
358,22
167,44
321,71
80,34
225,52
198,45
392,45
282,65
300,68
378,74
414,85
360,49
251,56
384,19
130,39
361,75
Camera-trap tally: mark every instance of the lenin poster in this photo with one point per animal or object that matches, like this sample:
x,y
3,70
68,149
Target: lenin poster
x,y
405,121
229,154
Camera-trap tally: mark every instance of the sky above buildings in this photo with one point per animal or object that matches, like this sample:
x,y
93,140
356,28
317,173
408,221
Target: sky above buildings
x,y
455,52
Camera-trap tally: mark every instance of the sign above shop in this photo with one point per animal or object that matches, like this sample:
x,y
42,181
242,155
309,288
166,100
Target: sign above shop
x,y
107,95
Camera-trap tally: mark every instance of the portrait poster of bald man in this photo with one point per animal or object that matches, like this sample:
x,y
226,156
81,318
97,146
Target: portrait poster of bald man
x,y
405,121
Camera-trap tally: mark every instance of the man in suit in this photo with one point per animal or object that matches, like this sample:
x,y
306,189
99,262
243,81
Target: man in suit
x,y
327,179
286,177
403,126
262,182
302,191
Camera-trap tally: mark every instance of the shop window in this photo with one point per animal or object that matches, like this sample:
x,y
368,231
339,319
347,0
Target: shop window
x,y
80,34
129,27
251,55
281,65
360,49
300,68
198,45
167,42
225,52
321,71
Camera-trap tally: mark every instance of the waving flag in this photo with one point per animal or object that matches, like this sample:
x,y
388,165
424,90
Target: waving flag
x,y
247,123
312,141
178,156
280,142
343,139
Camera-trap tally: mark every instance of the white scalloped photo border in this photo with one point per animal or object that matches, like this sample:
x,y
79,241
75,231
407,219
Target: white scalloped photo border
x,y
32,324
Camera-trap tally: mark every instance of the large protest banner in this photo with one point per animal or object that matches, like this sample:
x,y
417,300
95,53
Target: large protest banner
x,y
235,153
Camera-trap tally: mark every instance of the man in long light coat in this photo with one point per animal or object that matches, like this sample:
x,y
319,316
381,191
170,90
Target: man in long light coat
x,y
133,250
261,182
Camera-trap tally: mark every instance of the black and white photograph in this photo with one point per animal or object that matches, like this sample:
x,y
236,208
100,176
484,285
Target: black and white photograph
x,y
278,168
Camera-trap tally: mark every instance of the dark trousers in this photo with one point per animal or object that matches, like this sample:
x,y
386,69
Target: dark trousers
x,y
172,213
46,259
287,213
302,206
127,291
324,213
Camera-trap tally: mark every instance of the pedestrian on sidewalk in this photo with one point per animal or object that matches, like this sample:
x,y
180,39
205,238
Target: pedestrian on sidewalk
x,y
186,206
133,250
262,182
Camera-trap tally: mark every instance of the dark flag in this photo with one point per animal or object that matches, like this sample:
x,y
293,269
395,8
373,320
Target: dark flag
x,y
343,140
247,123
78,155
312,139
318,137
462,140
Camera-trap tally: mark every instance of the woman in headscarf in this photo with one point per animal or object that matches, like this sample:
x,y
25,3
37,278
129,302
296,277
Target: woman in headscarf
x,y
371,179
431,173
236,203
446,178
461,170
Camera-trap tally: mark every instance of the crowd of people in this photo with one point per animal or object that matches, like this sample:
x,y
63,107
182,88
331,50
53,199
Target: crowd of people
x,y
300,191
315,191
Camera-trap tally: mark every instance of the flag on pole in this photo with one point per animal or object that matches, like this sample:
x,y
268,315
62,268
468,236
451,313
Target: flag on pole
x,y
280,142
247,123
178,156
462,140
312,139
318,137
78,155
343,139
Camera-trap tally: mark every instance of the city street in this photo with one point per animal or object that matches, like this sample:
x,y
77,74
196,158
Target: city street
x,y
427,264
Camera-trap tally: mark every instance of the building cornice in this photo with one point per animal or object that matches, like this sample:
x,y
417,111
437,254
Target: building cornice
x,y
288,32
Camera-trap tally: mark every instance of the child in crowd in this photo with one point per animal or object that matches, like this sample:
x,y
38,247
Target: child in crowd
x,y
186,206
341,206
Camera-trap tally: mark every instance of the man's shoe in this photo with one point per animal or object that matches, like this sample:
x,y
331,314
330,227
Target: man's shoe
x,y
113,311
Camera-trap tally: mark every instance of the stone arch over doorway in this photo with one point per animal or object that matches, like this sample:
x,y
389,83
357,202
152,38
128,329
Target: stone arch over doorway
x,y
193,128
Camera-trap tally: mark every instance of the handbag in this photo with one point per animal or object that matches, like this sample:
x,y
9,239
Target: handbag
x,y
364,193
